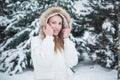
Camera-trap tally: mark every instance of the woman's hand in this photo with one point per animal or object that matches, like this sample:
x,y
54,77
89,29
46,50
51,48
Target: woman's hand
x,y
66,32
48,30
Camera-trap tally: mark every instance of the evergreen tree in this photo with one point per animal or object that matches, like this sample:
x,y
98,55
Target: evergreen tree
x,y
2,13
103,19
20,21
118,44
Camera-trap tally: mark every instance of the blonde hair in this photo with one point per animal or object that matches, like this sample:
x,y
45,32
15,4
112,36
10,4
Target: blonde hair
x,y
59,42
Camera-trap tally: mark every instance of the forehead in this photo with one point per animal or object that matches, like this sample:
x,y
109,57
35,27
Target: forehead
x,y
55,17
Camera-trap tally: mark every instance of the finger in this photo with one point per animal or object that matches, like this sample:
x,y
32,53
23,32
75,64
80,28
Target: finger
x,y
44,27
68,28
48,26
65,30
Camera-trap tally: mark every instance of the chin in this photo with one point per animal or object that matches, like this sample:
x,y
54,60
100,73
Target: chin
x,y
55,34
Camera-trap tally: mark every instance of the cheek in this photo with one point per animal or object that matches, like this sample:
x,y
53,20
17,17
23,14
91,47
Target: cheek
x,y
60,27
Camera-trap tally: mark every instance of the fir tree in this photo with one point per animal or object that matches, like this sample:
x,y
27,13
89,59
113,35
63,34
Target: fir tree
x,y
118,43
103,19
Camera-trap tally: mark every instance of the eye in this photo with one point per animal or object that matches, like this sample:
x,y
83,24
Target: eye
x,y
53,22
60,23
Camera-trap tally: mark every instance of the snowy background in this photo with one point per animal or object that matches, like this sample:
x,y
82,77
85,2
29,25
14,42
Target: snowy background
x,y
83,71
95,33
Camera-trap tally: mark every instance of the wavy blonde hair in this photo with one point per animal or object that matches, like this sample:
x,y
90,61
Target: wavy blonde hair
x,y
59,42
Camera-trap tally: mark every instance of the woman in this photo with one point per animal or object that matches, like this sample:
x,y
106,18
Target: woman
x,y
52,52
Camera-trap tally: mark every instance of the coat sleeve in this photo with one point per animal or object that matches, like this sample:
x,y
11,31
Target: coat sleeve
x,y
71,54
42,51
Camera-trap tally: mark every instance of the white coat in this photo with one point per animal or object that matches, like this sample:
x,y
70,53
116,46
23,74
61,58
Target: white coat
x,y
49,65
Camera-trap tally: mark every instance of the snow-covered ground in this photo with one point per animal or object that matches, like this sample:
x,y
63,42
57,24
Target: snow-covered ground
x,y
88,71
83,71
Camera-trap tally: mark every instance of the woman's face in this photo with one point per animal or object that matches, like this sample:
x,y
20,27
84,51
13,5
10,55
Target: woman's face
x,y
56,23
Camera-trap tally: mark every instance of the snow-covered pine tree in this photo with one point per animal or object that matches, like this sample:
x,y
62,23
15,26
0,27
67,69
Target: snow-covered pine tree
x,y
118,44
2,13
103,47
21,24
80,31
20,21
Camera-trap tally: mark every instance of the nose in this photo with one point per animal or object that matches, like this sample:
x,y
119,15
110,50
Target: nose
x,y
56,26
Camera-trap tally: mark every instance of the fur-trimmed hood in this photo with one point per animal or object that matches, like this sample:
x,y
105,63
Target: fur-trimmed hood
x,y
45,15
